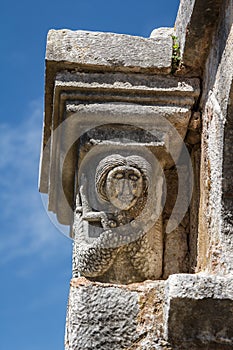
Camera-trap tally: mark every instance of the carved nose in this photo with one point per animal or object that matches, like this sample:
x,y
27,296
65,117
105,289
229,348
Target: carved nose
x,y
125,191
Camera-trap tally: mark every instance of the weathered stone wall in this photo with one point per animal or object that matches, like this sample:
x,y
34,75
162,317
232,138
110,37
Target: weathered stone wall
x,y
184,312
215,248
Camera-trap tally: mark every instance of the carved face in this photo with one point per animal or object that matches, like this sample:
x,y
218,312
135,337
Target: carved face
x,y
124,186
122,180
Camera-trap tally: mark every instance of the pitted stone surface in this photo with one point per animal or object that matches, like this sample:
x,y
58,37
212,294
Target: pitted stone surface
x,y
103,316
200,286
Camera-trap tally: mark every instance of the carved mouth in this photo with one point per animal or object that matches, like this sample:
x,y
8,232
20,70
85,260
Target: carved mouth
x,y
124,202
126,198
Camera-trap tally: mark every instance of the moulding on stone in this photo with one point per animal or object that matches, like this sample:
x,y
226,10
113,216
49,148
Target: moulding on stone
x,y
85,100
102,52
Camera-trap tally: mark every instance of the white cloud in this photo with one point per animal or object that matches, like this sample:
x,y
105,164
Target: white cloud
x,y
26,229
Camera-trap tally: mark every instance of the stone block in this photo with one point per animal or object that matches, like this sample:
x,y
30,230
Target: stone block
x,y
109,50
104,316
198,311
195,23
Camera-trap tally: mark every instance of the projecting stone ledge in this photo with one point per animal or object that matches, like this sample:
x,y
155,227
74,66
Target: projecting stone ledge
x,y
81,49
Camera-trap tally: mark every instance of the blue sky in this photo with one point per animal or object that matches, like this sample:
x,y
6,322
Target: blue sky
x,y
35,258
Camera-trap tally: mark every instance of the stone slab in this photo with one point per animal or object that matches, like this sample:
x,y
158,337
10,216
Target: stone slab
x,y
109,50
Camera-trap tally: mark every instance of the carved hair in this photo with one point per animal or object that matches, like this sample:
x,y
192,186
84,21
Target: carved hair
x,y
115,160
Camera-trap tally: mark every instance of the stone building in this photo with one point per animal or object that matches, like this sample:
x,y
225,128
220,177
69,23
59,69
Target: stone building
x,y
137,160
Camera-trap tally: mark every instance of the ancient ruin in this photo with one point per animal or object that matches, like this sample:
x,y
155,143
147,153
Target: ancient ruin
x,y
136,159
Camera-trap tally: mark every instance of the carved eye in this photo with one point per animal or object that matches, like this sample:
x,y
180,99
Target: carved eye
x,y
133,177
112,223
119,176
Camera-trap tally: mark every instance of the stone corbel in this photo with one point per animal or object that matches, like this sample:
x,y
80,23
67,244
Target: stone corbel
x,y
103,111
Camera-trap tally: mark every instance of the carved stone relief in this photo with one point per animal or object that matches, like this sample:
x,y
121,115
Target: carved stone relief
x,y
117,227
